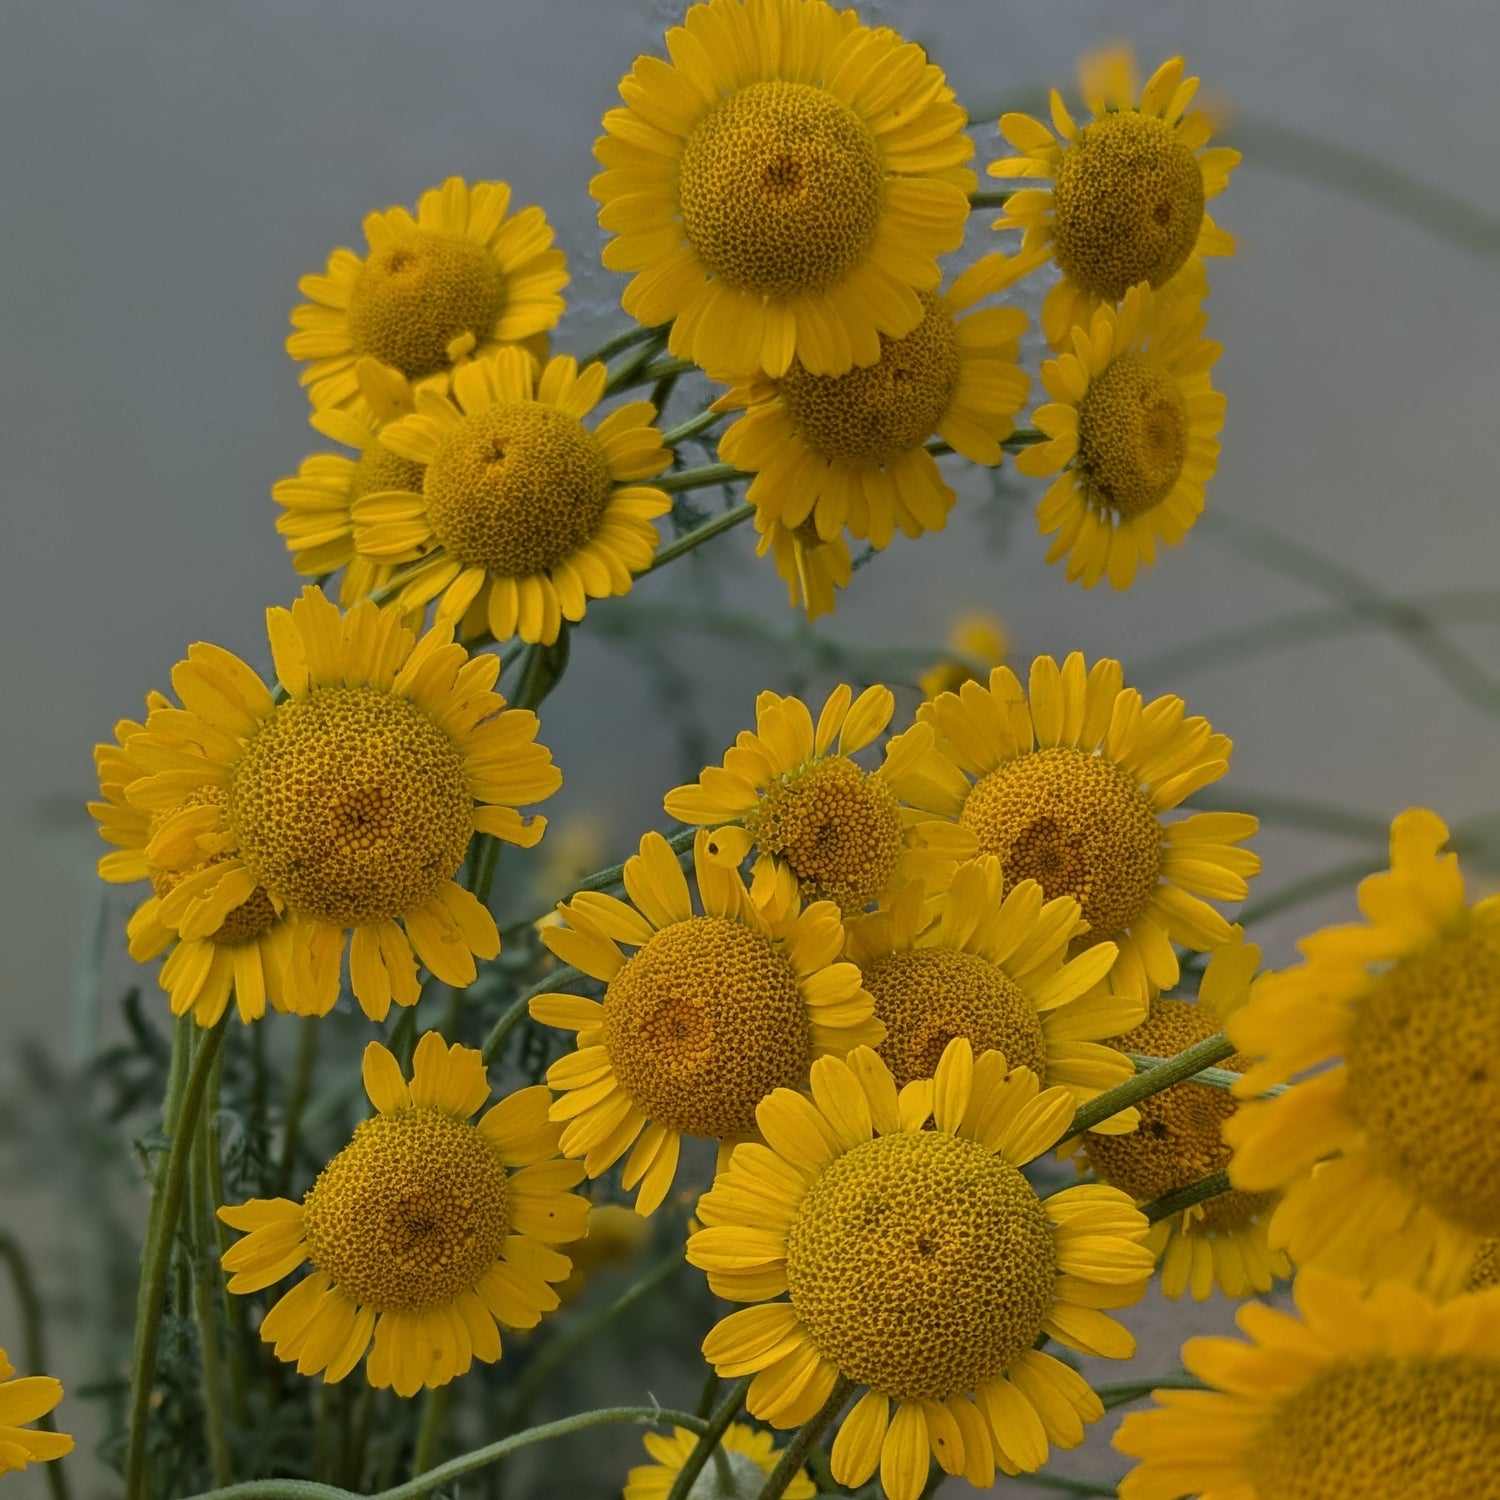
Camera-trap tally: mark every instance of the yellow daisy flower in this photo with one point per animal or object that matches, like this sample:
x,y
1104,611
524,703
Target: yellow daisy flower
x,y
979,640
1390,1152
456,281
23,1401
848,450
1128,189
248,954
1364,1396
518,514
1131,433
996,972
423,1233
822,827
783,186
350,803
810,567
749,1456
918,1262
1222,1240
697,1026
1069,789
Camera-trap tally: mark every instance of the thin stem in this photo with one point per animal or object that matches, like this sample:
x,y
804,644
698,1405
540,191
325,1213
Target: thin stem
x,y
1185,1197
994,199
455,1468
1210,1050
33,1344
710,1433
482,866
430,1433
1066,1486
707,1394
796,1451
692,427
302,1072
517,1012
1118,1392
621,342
636,368
700,534
1213,1078
698,478
161,1225
207,1285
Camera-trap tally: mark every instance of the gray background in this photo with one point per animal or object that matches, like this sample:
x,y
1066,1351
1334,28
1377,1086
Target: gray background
x,y
170,167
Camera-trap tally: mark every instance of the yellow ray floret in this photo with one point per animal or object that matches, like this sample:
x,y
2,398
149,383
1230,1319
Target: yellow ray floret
x,y
1390,1151
811,568
1358,1396
979,642
1131,433
22,1402
423,1233
783,186
1066,783
849,450
348,805
1128,189
749,1454
917,1261
701,1022
821,826
515,513
456,280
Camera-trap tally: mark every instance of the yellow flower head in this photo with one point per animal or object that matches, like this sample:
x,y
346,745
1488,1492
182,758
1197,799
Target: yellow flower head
x,y
1068,789
848,450
1222,1240
350,804
750,1454
456,281
700,1023
1390,1152
1379,1395
1131,434
1128,189
822,827
980,641
919,1262
783,186
516,514
996,972
810,567
423,1233
23,1401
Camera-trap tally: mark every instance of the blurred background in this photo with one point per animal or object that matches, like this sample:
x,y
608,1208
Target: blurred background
x,y
172,167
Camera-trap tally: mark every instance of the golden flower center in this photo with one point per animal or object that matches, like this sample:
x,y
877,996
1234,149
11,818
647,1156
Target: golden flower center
x,y
920,1264
1484,1270
1381,1428
1132,436
838,827
351,805
1179,1139
1424,1072
928,996
378,469
1127,205
253,916
875,413
410,1213
781,188
1076,824
515,488
413,297
702,1023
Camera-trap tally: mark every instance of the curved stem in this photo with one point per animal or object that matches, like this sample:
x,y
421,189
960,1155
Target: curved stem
x,y
517,1012
1118,1392
1210,1050
708,1439
621,342
455,1468
796,1451
33,1344
708,530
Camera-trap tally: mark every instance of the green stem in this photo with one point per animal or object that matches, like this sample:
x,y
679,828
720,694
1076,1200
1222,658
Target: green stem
x,y
698,478
1066,1486
1017,442
302,1072
796,1451
161,1224
33,1344
691,428
430,1433
482,869
207,1286
621,342
455,1468
1118,1392
709,1434
1210,1050
707,1394
517,1012
700,534
989,199
1185,1197
1212,1078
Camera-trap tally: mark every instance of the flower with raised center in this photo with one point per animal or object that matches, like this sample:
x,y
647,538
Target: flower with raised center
x,y
783,186
822,827
516,514
979,641
23,1401
350,803
423,1233
1069,789
700,1023
849,450
1131,434
1128,189
995,971
917,1261
459,279
737,1471
1381,1395
1390,1151
1178,1142
811,568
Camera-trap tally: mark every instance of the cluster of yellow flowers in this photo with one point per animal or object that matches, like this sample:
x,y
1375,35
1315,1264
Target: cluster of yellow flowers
x,y
908,972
